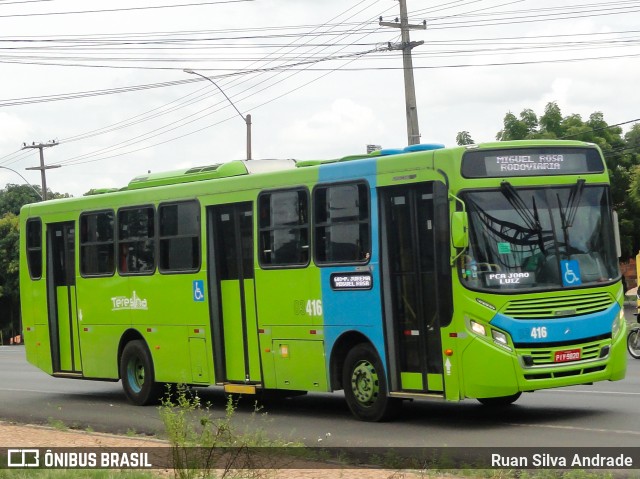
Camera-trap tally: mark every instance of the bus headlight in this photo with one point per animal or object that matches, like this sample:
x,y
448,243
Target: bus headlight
x,y
478,328
500,339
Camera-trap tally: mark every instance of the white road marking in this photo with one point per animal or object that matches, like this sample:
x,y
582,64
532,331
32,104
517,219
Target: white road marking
x,y
576,391
576,428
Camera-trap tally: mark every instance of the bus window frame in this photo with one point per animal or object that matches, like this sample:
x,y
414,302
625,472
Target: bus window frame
x,y
152,271
260,229
325,264
29,249
114,242
159,237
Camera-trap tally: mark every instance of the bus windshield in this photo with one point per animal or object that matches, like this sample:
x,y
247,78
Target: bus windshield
x,y
542,238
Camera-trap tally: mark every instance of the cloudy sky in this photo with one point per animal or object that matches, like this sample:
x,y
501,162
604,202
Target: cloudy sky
x,y
316,76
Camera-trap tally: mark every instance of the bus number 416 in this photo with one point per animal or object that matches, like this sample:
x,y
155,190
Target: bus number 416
x,y
539,332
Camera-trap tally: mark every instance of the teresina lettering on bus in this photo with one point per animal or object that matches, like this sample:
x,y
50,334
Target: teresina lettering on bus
x,y
122,302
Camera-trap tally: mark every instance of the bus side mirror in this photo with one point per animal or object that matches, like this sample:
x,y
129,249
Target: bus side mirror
x,y
459,229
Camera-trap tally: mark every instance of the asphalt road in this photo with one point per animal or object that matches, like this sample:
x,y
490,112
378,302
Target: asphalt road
x,y
604,414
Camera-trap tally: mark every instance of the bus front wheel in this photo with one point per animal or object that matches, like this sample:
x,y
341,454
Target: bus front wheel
x,y
365,386
137,374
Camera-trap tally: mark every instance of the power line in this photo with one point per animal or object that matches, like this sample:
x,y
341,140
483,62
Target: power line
x,y
108,10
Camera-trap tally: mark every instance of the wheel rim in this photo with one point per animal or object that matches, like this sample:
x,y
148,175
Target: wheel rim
x,y
135,374
634,342
364,383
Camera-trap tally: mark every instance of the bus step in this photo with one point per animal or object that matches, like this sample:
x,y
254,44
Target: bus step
x,y
412,395
68,375
240,388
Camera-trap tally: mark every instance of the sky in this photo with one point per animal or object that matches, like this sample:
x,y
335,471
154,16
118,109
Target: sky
x,y
317,77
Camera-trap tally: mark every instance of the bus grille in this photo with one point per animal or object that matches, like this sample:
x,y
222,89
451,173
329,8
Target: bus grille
x,y
545,357
559,306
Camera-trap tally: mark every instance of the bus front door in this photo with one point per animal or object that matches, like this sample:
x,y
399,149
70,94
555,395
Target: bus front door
x,y
416,287
62,301
232,293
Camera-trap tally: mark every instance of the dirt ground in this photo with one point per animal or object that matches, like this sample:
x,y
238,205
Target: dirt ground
x,y
24,436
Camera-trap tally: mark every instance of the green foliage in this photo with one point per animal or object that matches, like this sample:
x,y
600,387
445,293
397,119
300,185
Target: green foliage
x,y
464,138
9,260
13,197
202,442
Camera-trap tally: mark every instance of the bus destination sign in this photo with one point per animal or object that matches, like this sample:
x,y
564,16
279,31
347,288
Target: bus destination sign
x,y
538,164
480,164
351,281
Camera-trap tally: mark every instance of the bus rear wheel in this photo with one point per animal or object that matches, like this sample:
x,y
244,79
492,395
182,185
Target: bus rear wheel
x,y
501,401
137,374
365,386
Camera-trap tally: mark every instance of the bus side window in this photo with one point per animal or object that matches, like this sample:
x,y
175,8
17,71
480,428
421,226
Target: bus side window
x,y
341,226
284,228
97,254
179,248
136,240
34,247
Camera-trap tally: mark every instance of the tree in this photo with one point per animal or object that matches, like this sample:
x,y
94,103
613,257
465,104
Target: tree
x,y
9,274
464,138
517,129
13,197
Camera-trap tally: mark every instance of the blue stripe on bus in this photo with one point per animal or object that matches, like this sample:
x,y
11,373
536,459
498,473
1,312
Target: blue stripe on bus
x,y
360,310
557,329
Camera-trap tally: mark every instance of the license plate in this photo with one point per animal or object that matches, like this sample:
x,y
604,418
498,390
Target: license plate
x,y
567,355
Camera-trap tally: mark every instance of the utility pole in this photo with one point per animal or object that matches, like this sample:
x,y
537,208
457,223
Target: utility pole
x,y
42,167
406,45
246,118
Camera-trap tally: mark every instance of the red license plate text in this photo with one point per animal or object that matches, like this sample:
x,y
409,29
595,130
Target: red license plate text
x,y
567,355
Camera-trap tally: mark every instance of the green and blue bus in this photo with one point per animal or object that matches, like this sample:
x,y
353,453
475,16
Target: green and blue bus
x,y
481,271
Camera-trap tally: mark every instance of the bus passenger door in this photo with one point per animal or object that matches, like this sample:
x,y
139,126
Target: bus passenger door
x,y
416,283
61,294
232,293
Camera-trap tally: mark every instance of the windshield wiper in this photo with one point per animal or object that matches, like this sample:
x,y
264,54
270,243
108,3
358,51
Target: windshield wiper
x,y
531,221
568,215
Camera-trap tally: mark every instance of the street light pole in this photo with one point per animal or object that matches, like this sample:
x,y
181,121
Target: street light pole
x,y
246,118
25,180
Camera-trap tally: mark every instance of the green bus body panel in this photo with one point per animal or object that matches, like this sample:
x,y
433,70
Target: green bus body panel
x,y
411,381
233,331
252,332
198,353
285,342
488,375
232,323
299,364
67,329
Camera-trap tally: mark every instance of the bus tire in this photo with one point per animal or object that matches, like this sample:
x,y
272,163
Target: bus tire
x,y
500,401
365,386
633,342
137,374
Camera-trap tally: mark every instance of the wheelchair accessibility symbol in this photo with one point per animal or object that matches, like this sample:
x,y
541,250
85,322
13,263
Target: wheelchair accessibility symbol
x,y
198,290
570,272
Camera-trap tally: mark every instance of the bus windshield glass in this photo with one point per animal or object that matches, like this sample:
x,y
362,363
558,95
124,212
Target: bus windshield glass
x,y
542,238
